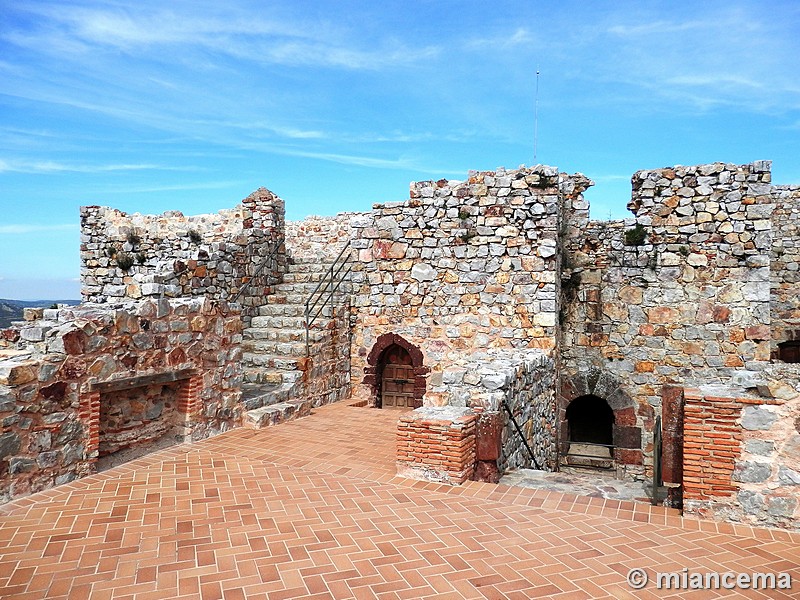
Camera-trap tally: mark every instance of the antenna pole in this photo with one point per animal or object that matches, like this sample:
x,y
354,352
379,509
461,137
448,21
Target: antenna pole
x,y
536,119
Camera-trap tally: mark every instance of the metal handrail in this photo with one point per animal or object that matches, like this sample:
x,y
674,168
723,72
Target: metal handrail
x,y
331,284
273,253
521,435
657,480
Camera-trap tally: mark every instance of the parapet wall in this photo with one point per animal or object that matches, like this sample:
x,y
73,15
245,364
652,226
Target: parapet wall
x,y
785,265
522,380
60,390
177,256
741,457
459,267
680,293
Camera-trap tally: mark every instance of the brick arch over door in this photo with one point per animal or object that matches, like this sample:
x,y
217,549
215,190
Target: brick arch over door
x,y
373,370
602,384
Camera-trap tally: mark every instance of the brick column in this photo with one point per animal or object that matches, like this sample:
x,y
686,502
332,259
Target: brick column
x,y
89,414
189,403
437,444
711,445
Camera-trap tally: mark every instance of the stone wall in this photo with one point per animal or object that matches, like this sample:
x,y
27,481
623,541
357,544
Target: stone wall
x,y
742,451
54,385
321,237
680,293
526,381
785,267
177,256
459,267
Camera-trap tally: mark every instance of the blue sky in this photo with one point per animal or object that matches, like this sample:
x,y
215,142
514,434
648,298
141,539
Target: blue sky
x,y
151,106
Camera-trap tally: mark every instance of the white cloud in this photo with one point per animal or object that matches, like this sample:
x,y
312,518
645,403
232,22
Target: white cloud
x,y
36,228
45,167
79,31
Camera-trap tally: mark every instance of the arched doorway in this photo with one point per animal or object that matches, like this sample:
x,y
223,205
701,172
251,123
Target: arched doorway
x,y
396,389
590,435
405,362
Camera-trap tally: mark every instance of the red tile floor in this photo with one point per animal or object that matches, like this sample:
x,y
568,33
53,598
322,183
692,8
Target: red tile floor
x,y
312,509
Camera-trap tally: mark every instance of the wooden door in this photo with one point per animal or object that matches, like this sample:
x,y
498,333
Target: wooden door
x,y
398,386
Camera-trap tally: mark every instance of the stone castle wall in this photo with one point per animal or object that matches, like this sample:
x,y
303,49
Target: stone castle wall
x,y
68,366
785,265
741,450
523,379
689,301
459,267
174,255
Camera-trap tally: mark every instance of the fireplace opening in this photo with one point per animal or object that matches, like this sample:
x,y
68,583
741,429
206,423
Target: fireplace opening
x,y
137,421
590,439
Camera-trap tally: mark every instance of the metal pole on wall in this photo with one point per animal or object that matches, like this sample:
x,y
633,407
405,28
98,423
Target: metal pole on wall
x,y
536,119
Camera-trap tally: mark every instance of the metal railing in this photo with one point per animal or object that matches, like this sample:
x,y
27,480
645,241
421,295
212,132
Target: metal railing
x,y
521,435
327,287
657,481
270,257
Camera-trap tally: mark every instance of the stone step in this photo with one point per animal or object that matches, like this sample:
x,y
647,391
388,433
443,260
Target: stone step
x,y
303,277
281,310
256,374
281,362
276,308
280,334
276,414
273,347
280,321
320,268
299,299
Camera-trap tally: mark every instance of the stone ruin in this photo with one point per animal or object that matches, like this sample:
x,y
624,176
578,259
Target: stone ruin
x,y
665,343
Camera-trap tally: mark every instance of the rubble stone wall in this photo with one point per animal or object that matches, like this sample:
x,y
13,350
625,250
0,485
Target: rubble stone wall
x,y
742,451
321,237
526,381
50,398
459,267
178,256
686,302
785,265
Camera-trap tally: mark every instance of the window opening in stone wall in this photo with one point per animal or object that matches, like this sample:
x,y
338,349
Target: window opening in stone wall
x,y
591,433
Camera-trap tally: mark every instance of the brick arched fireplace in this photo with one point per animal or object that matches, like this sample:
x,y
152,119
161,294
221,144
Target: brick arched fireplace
x,y
393,349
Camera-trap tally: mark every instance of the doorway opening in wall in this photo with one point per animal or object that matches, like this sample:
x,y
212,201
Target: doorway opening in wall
x,y
590,442
789,352
396,378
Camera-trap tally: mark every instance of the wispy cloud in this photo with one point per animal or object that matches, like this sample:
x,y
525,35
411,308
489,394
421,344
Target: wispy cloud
x,y
77,30
36,228
45,167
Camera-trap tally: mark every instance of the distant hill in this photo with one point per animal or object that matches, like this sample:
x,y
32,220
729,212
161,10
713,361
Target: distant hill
x,y
11,310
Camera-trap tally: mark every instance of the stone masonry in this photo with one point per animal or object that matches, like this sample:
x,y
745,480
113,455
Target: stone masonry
x,y
493,292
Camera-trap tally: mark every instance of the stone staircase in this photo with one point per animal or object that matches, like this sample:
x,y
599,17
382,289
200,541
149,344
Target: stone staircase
x,y
274,359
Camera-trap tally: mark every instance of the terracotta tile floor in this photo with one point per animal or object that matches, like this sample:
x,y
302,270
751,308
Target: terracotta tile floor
x,y
311,509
